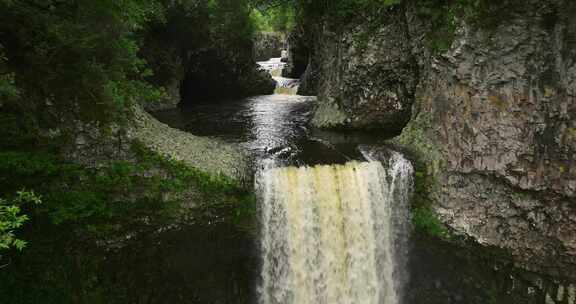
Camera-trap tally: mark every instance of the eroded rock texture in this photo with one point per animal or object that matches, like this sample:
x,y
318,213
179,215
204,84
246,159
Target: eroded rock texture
x,y
309,80
493,116
495,120
300,48
302,63
267,45
367,76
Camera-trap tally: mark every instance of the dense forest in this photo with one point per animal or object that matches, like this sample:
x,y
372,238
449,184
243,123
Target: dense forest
x,y
90,61
67,61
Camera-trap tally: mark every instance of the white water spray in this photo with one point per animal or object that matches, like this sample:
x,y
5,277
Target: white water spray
x,y
331,234
285,86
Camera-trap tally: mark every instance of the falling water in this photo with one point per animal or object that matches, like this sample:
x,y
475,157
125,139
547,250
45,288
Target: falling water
x,y
331,233
285,86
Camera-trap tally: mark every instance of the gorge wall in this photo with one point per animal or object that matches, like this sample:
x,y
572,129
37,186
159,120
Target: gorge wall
x,y
367,76
487,106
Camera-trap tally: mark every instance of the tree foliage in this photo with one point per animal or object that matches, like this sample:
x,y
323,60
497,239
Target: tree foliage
x,y
76,53
85,59
279,18
8,89
90,60
11,218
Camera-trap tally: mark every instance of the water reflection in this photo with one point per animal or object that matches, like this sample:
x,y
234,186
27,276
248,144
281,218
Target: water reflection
x,y
270,126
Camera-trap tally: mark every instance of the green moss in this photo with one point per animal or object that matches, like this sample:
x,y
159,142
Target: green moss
x,y
219,193
424,219
99,201
427,161
572,133
415,138
443,17
181,173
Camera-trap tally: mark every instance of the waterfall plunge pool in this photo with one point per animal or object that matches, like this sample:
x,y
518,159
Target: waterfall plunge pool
x,y
334,214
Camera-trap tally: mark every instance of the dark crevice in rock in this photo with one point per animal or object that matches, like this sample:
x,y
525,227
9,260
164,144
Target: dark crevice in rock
x,y
214,75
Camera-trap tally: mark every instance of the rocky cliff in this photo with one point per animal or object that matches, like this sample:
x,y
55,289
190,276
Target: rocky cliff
x,y
493,115
93,146
267,45
367,76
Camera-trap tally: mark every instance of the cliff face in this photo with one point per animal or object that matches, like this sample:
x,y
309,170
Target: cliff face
x,y
493,119
367,75
299,52
267,45
498,110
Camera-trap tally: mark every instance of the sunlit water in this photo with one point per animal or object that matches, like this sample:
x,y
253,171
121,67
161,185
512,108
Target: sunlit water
x,y
268,126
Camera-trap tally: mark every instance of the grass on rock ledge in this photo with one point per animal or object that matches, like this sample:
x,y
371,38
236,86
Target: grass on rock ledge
x,y
99,202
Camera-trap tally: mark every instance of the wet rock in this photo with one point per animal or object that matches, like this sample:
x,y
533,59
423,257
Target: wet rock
x,y
209,155
300,52
309,81
367,78
449,272
493,116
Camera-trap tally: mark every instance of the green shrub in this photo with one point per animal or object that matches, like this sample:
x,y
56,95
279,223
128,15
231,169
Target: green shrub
x,y
424,219
11,219
276,19
95,200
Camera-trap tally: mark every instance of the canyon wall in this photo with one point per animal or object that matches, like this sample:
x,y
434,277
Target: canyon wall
x,y
367,75
486,106
267,45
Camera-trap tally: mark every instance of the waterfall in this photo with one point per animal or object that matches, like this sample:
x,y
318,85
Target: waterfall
x,y
331,233
286,86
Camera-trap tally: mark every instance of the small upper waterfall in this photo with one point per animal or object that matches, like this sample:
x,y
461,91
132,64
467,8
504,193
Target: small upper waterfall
x,y
274,66
335,234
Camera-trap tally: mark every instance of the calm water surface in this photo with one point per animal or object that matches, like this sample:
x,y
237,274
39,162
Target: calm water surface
x,y
269,126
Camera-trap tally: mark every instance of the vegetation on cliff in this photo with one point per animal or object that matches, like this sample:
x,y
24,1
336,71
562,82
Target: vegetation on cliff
x,y
99,56
11,218
279,18
64,64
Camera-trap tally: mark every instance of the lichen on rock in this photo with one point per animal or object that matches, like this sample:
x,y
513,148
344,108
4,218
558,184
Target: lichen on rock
x,y
492,117
492,114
